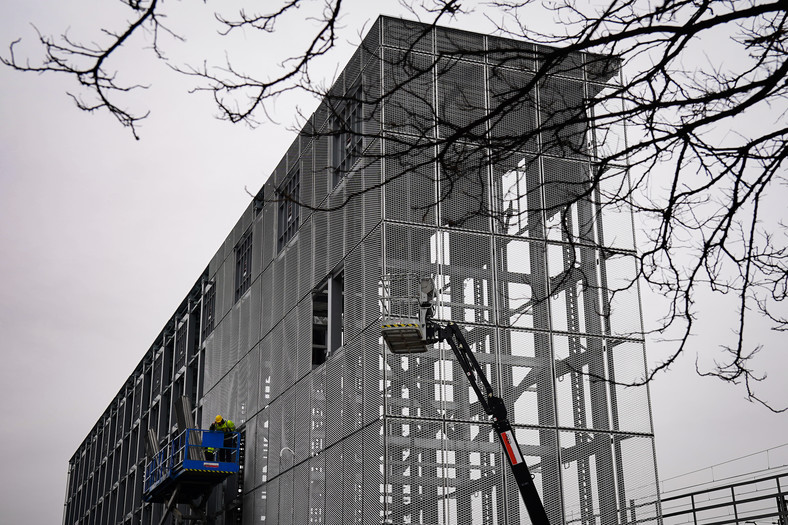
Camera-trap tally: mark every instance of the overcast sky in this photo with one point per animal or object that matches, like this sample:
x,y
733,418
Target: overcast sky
x,y
102,236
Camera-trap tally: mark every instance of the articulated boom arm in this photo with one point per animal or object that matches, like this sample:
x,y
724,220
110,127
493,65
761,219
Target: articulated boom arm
x,y
493,406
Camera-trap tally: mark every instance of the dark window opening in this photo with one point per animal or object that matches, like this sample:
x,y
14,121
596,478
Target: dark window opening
x,y
289,210
243,265
347,138
328,305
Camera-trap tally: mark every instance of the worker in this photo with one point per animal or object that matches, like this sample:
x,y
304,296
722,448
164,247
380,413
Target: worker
x,y
228,427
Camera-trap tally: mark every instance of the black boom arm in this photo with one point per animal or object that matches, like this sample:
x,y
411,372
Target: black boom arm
x,y
493,406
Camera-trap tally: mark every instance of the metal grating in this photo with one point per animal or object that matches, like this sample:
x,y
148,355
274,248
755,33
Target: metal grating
x,y
461,94
262,447
409,87
353,478
464,188
464,44
334,482
410,192
406,35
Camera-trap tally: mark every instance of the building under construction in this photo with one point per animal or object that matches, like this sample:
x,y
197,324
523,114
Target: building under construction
x,y
425,159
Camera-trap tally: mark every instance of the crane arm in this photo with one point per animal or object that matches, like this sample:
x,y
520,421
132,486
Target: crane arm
x,y
495,407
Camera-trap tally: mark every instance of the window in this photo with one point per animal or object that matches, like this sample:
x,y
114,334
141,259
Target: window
x,y
347,137
328,327
288,209
243,265
208,309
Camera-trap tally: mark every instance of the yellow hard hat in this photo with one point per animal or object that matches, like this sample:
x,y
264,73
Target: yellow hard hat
x,y
218,419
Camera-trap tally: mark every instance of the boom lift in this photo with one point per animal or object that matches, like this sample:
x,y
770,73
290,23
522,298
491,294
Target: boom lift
x,y
182,471
409,338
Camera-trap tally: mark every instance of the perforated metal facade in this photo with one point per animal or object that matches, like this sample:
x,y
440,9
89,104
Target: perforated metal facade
x,y
371,437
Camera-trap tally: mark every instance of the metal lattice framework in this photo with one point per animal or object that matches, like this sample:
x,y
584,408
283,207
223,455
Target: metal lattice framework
x,y
371,437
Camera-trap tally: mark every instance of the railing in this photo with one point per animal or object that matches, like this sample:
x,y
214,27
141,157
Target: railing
x,y
759,501
190,450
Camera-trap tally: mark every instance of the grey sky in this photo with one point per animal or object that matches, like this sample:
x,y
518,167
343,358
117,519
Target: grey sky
x,y
102,236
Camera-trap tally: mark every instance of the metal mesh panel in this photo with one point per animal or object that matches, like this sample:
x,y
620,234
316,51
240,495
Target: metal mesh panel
x,y
301,494
302,421
289,350
243,395
515,295
279,286
257,241
526,377
250,478
303,354
568,65
617,227
236,315
472,469
566,185
410,250
291,285
275,432
414,452
460,98
408,85
370,96
464,188
262,446
249,515
225,296
373,481
320,224
317,435
335,380
336,228
305,264
575,300
353,391
510,53
372,172
466,291
278,379
317,489
266,373
513,109
469,46
286,502
322,169
266,307
563,118
373,270
620,272
406,35
373,350
333,485
354,294
354,210
410,181
353,474
272,501
457,397
269,236
412,384
626,364
582,399
255,313
588,484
